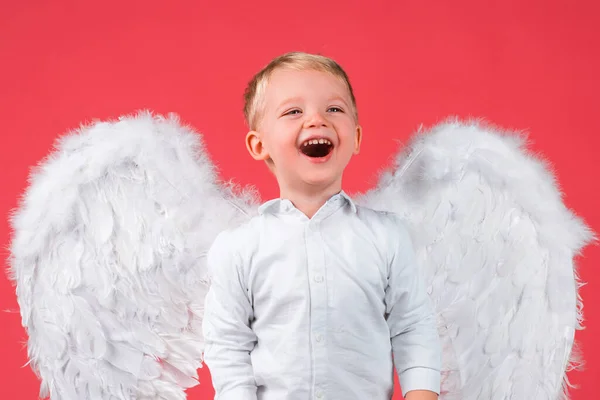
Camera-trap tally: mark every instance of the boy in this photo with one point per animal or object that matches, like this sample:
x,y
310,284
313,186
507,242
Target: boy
x,y
312,297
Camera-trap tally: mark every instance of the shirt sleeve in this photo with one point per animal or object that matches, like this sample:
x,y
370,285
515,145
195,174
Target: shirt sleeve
x,y
415,340
228,312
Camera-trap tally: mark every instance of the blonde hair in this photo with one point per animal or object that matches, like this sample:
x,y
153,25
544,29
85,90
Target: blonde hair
x,y
254,94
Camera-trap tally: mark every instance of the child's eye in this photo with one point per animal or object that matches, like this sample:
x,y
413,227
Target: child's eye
x,y
335,109
292,112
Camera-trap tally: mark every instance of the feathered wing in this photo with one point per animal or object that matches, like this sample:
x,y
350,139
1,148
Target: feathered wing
x,y
496,246
108,257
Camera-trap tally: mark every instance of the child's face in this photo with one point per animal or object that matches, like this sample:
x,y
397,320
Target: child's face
x,y
303,105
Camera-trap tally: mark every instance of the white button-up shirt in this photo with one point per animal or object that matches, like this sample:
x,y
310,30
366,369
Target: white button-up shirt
x,y
315,308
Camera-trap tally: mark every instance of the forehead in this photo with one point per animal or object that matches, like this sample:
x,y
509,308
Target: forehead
x,y
285,83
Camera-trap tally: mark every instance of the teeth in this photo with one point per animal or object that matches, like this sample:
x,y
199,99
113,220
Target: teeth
x,y
317,141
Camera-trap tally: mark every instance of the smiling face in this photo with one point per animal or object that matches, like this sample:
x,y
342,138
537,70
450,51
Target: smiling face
x,y
307,131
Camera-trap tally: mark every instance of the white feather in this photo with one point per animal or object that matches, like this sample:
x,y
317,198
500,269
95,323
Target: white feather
x,y
496,245
108,259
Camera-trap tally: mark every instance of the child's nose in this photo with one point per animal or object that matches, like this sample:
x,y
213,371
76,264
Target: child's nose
x,y
315,120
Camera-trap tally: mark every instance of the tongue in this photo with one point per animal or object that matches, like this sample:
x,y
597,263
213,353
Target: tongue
x,y
316,150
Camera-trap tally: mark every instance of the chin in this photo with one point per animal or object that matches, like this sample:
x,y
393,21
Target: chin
x,y
321,181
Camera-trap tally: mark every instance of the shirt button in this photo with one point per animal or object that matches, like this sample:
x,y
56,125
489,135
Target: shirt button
x,y
319,395
319,278
319,337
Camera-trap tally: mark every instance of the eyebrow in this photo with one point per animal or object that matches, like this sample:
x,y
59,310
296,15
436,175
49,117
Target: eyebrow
x,y
286,102
339,98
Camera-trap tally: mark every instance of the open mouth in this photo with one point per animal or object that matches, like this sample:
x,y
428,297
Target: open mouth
x,y
316,148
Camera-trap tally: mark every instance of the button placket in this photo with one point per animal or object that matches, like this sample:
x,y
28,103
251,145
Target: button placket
x,y
318,304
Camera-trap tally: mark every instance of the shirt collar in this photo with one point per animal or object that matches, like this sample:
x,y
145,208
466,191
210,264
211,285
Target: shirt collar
x,y
284,205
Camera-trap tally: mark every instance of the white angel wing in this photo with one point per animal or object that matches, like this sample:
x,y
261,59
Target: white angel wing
x,y
108,259
496,245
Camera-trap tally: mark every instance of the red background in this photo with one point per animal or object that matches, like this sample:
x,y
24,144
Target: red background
x,y
523,65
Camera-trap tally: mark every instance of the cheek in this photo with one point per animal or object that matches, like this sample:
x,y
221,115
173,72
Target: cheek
x,y
281,150
348,137
282,142
288,152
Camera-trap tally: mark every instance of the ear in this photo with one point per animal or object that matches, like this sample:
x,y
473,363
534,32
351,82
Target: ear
x,y
255,146
357,139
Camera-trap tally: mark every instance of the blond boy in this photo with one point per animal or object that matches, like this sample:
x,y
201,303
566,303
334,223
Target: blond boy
x,y
315,297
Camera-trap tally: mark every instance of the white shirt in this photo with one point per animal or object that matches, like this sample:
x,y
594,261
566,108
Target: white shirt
x,y
303,308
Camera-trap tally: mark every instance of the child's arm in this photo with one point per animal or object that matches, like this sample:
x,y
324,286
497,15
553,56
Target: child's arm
x,y
421,395
415,340
226,325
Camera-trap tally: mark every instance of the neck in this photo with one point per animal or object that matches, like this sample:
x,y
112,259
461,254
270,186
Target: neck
x,y
309,200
